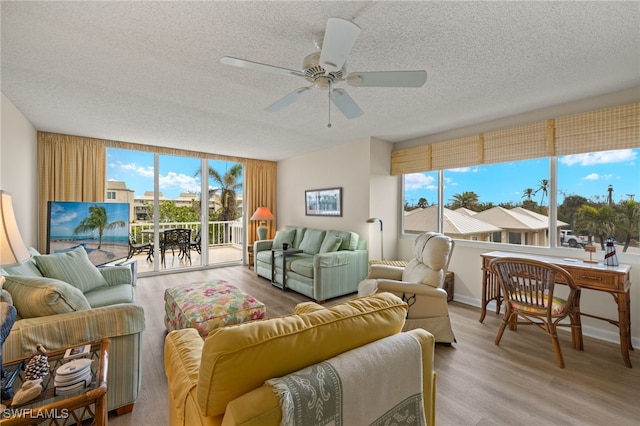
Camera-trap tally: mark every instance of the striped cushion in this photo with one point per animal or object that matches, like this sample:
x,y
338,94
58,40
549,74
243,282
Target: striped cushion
x,y
39,297
312,241
73,267
558,306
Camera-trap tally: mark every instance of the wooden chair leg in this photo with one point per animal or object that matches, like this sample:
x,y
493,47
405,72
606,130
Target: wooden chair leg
x,y
556,347
503,326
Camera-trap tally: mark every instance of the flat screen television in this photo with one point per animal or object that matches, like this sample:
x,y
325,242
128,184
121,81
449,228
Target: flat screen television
x,y
101,228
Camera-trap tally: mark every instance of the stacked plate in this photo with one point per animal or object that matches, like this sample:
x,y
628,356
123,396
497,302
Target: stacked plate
x,y
72,376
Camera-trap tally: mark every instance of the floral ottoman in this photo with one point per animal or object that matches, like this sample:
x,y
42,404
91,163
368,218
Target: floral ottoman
x,y
208,305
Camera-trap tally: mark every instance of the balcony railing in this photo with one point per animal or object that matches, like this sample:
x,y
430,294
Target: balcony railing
x,y
221,233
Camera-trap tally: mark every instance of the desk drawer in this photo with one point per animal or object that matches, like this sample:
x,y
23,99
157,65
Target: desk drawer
x,y
598,280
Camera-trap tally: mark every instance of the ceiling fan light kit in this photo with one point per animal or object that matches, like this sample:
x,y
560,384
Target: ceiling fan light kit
x,y
327,67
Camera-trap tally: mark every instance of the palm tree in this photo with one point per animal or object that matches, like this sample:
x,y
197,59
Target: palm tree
x,y
467,199
598,221
228,185
629,220
97,219
544,187
528,193
569,208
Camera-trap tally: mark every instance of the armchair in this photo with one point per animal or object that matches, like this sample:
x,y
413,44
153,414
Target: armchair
x,y
419,284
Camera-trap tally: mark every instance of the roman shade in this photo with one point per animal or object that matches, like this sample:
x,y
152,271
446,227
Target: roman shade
x,y
602,130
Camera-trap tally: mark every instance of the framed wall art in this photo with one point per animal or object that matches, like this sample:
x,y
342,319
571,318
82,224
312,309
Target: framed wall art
x,y
323,202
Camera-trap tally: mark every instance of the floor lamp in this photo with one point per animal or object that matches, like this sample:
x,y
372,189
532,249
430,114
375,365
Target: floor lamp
x,y
373,220
13,251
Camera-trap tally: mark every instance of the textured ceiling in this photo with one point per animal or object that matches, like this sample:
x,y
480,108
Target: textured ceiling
x,y
150,72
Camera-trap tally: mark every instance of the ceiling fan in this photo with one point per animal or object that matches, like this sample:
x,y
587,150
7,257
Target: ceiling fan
x,y
327,67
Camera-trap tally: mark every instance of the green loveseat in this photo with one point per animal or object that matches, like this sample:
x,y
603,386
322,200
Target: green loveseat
x,y
64,300
331,264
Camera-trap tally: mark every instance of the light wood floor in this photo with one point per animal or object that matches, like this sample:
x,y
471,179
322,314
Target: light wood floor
x,y
516,383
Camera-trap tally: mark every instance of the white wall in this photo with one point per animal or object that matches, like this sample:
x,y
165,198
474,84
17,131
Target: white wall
x,y
384,190
358,167
19,168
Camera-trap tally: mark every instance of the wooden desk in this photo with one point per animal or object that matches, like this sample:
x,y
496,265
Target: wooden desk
x,y
614,280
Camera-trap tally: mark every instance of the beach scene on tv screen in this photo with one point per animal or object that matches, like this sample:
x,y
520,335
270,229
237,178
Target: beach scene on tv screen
x,y
101,228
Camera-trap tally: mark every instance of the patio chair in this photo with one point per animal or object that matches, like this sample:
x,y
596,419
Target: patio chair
x,y
176,239
137,248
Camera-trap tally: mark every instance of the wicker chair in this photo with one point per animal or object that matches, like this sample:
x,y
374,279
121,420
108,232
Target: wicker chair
x,y
528,286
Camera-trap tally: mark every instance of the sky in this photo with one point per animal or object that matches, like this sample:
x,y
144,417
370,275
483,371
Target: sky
x,y
588,175
177,174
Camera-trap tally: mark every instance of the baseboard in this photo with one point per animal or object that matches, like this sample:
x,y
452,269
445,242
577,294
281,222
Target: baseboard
x,y
594,332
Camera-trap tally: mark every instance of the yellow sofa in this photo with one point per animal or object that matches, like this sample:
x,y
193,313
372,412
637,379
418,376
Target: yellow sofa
x,y
220,381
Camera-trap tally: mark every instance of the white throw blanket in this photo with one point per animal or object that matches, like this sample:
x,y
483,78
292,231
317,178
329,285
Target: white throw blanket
x,y
376,384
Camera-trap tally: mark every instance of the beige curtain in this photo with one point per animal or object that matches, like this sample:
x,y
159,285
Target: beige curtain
x,y
71,168
260,186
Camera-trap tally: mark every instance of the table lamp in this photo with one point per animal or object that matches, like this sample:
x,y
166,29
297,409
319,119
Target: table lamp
x,y
373,220
13,251
262,214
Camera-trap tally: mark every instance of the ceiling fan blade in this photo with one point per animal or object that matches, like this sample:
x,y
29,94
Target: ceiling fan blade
x,y
345,104
243,63
288,100
339,37
387,79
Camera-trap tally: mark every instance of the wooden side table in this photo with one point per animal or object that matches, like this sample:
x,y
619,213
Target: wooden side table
x,y
51,409
250,255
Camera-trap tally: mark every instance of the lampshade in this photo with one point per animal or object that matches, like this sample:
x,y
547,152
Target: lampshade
x,y
262,213
13,251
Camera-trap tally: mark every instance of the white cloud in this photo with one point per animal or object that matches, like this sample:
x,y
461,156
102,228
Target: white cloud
x,y
146,171
596,176
184,182
464,170
603,157
419,181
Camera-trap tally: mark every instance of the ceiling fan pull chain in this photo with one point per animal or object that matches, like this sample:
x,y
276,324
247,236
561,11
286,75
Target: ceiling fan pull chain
x,y
329,99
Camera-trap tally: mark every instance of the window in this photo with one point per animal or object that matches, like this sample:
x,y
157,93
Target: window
x,y
131,177
510,202
420,202
598,196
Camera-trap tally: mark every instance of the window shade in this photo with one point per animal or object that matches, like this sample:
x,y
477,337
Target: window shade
x,y
456,153
603,130
607,129
411,160
516,143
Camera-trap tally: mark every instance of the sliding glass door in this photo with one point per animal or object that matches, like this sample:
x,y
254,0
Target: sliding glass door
x,y
168,214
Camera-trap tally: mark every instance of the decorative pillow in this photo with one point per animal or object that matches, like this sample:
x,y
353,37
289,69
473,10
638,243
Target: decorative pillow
x,y
297,239
284,236
330,243
312,241
39,297
73,267
349,239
